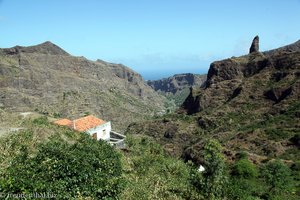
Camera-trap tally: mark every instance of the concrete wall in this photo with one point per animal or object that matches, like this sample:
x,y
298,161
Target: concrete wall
x,y
103,131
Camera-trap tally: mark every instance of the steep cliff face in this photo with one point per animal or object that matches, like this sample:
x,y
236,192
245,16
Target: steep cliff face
x,y
47,79
177,82
134,81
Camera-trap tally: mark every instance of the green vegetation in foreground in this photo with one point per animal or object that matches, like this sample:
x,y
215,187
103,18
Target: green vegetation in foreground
x,y
151,174
48,158
67,164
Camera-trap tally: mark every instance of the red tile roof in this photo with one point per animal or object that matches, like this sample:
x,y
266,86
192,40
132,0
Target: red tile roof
x,y
81,124
88,122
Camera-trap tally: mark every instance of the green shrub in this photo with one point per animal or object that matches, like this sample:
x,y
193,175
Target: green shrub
x,y
242,155
276,134
296,174
152,174
245,169
248,189
291,154
87,168
296,166
278,177
56,115
86,113
41,121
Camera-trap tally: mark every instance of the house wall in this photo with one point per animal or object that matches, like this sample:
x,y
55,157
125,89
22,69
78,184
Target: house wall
x,y
103,131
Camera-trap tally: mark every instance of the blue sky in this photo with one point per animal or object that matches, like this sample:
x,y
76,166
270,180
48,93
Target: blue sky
x,y
156,38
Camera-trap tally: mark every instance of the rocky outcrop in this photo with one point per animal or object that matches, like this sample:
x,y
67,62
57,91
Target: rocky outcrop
x,y
224,70
235,79
255,45
237,68
177,82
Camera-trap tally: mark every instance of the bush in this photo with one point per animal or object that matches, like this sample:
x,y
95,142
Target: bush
x,y
245,169
87,168
278,177
242,155
249,189
41,121
276,134
152,174
56,115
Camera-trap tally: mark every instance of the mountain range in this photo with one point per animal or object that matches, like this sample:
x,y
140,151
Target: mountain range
x,y
46,79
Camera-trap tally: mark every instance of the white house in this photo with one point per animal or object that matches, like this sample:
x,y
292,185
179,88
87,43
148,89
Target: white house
x,y
101,131
97,128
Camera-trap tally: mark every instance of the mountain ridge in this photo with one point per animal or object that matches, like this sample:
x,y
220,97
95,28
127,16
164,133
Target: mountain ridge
x,y
43,48
289,48
49,80
177,82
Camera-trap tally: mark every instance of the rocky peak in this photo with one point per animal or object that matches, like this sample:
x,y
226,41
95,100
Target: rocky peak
x,y
43,48
255,45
